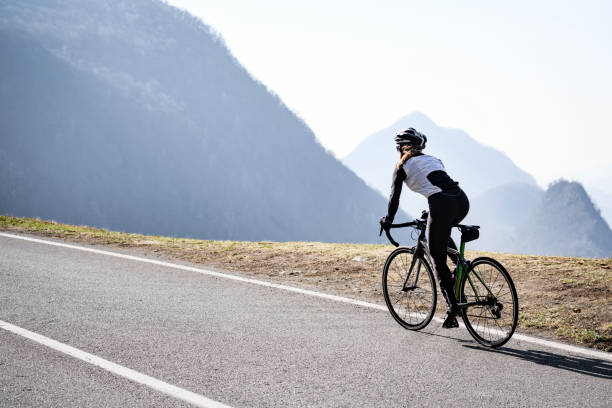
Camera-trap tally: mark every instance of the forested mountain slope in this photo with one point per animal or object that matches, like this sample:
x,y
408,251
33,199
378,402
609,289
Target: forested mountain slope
x,y
133,115
565,222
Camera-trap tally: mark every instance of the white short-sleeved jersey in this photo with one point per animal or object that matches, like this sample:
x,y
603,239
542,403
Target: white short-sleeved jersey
x,y
417,169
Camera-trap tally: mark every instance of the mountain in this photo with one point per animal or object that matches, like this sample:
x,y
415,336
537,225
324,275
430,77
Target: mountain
x,y
478,168
565,223
133,115
598,184
500,211
602,200
515,214
522,218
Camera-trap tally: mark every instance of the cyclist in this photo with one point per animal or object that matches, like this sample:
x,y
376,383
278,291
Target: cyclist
x,y
448,205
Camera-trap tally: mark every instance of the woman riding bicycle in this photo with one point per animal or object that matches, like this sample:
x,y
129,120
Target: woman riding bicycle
x,y
448,205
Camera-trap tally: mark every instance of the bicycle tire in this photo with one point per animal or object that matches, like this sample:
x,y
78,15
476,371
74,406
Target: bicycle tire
x,y
414,308
502,292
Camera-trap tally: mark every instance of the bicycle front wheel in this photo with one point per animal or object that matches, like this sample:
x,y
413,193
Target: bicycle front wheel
x,y
409,288
493,319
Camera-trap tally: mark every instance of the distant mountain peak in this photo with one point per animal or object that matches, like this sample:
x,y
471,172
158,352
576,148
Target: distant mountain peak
x,y
566,222
417,119
477,167
569,191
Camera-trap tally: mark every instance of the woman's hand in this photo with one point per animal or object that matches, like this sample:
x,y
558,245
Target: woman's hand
x,y
403,159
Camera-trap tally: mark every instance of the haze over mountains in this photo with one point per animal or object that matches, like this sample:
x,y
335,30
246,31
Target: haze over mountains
x,y
514,213
565,222
477,167
598,184
133,115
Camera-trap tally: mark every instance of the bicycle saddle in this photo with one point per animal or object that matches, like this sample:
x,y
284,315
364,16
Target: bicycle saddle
x,y
469,232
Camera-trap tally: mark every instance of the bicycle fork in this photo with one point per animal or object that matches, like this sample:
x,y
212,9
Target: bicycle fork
x,y
405,287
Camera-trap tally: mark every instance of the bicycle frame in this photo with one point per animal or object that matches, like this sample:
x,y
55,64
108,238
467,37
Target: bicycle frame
x,y
463,265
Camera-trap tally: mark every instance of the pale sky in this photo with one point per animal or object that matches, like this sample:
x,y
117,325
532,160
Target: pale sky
x,y
531,78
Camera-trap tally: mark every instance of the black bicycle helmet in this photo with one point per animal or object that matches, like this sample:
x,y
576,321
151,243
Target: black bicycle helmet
x,y
411,137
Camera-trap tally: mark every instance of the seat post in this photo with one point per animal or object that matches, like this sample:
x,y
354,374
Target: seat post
x,y
460,270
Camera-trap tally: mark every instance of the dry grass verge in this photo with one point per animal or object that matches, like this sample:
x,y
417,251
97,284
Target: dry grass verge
x,y
562,298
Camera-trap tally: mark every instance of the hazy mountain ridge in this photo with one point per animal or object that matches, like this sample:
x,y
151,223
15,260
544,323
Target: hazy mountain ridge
x,y
561,220
602,201
565,222
478,168
499,211
515,214
598,184
133,115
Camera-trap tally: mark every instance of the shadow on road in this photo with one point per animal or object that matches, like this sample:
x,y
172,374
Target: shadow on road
x,y
583,365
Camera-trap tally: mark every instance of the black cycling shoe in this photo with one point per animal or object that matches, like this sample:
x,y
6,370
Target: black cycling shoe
x,y
450,322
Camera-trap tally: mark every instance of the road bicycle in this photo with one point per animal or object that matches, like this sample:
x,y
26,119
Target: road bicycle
x,y
485,292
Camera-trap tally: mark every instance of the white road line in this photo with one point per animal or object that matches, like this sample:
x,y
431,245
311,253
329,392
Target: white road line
x,y
154,383
517,336
203,271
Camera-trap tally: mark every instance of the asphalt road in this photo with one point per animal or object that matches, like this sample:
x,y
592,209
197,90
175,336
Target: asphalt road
x,y
249,346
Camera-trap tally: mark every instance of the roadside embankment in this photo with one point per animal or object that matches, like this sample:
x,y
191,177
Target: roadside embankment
x,y
561,298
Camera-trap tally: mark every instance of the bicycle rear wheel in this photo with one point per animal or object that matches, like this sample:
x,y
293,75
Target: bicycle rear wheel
x,y
409,288
492,322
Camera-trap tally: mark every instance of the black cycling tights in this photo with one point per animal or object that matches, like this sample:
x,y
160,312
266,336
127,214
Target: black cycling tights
x,y
446,209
